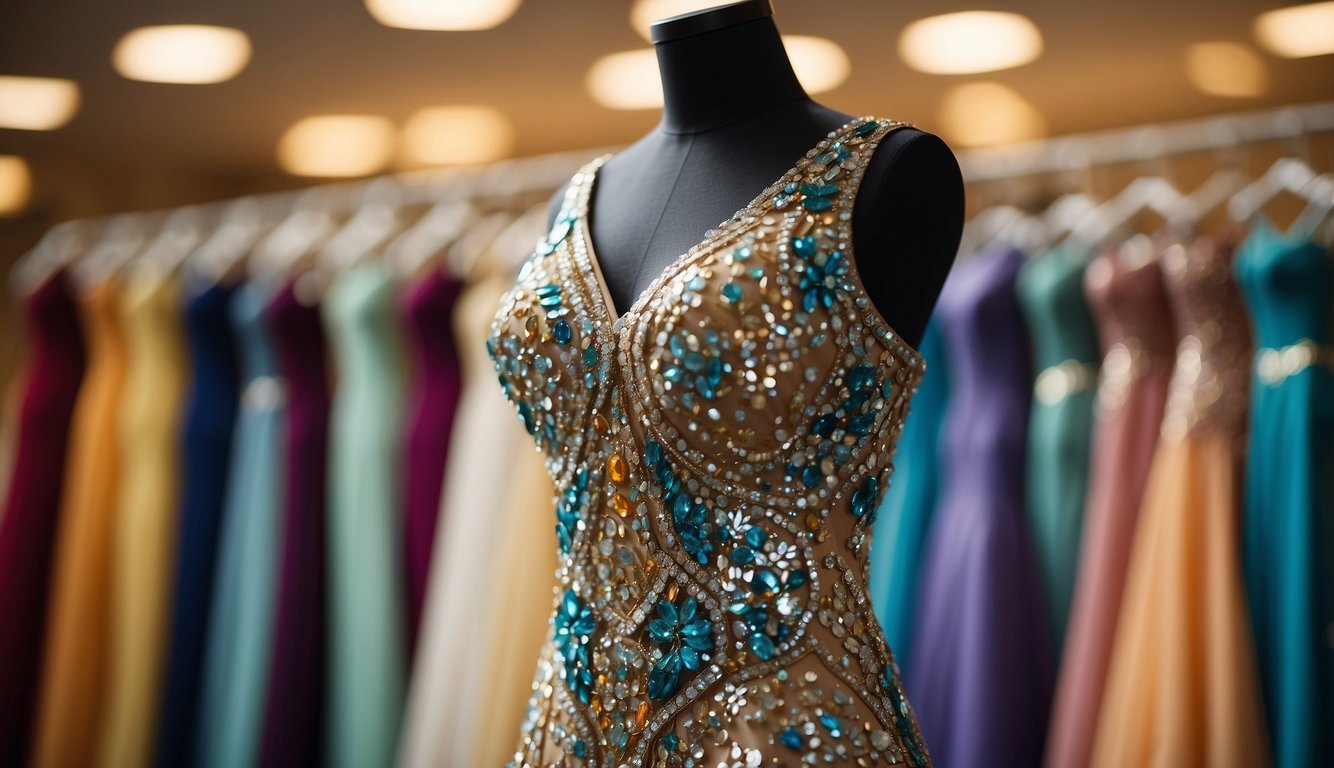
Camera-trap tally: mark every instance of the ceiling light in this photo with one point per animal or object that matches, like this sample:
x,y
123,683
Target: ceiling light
x,y
454,15
37,103
630,80
15,184
1226,69
337,145
645,12
193,54
456,135
969,41
1297,31
986,114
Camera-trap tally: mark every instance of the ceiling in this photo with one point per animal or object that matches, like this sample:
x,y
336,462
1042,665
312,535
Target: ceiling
x,y
136,144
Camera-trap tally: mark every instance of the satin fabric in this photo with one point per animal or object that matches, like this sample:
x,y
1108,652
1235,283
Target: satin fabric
x,y
909,505
210,413
1130,306
366,612
69,706
53,371
1060,427
245,579
146,513
1288,282
294,717
980,678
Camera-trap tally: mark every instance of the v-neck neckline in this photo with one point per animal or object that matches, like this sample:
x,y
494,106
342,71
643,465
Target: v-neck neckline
x,y
612,321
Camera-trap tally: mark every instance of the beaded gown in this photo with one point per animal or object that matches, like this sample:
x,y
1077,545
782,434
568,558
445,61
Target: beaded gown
x,y
718,452
1288,283
1182,687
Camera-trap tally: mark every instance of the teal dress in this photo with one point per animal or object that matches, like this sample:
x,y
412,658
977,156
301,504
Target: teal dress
x,y
905,513
236,661
1060,428
366,631
1288,284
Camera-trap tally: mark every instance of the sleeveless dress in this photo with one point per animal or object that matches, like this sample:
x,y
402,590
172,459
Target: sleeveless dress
x,y
1289,520
366,622
294,719
1182,688
719,452
53,371
69,705
210,413
245,585
432,397
1060,425
910,505
1137,333
146,511
982,666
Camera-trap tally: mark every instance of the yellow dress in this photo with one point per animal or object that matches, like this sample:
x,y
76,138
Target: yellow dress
x,y
1182,688
71,687
145,518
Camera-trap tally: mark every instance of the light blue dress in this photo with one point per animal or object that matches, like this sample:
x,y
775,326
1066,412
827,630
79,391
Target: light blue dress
x,y
1288,284
236,662
367,593
905,513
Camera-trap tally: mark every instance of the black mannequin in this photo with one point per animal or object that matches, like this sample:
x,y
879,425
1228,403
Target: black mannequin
x,y
734,120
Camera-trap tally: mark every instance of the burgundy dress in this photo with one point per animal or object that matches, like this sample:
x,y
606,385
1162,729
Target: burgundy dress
x,y
28,525
432,397
294,710
981,669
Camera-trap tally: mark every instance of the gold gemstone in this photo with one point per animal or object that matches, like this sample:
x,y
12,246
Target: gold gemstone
x,y
530,327
812,521
620,504
600,424
671,591
616,468
641,714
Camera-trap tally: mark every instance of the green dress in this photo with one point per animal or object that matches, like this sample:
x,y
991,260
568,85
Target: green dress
x,y
1065,355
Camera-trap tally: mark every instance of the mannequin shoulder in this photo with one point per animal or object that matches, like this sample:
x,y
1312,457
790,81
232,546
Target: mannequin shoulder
x,y
917,159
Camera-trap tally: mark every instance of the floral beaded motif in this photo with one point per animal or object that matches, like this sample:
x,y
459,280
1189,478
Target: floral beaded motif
x,y
719,453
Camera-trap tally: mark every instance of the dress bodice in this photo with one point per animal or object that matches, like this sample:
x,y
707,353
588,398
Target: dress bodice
x,y
1051,295
253,346
363,330
427,310
718,453
1134,321
1289,286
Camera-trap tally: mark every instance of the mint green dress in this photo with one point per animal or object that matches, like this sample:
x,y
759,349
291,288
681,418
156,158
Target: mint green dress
x,y
905,514
366,635
1060,429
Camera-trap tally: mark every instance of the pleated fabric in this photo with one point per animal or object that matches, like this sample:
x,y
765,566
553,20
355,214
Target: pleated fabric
x,y
53,371
245,582
73,676
366,611
146,511
210,413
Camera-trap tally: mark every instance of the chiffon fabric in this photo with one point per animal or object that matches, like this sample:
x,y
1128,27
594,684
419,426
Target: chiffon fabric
x,y
1182,687
146,513
293,731
69,705
980,677
909,505
1288,282
1060,427
1135,326
366,622
210,413
432,397
245,584
54,369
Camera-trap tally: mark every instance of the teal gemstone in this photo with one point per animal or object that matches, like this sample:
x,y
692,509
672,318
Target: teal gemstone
x,y
796,579
861,377
862,425
580,749
831,724
756,536
590,356
669,742
742,556
714,371
826,158
811,476
673,373
741,253
817,204
866,129
693,361
804,246
652,453
819,190
550,289
731,293
762,646
886,388
764,581
790,738
825,425
560,331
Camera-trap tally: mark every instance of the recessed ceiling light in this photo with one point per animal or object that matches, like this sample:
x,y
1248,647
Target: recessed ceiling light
x,y
985,114
1226,69
630,80
337,145
192,54
446,15
456,135
969,42
1297,31
645,12
37,103
15,184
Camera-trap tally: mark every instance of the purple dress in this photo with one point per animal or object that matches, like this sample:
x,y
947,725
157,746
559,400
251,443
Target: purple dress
x,y
294,709
981,671
433,395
